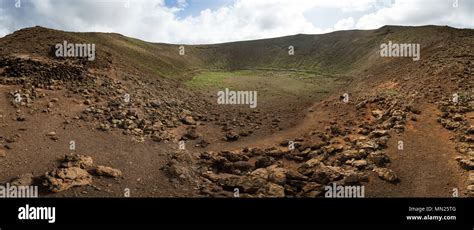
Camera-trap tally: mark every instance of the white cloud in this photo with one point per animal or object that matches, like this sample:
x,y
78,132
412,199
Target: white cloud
x,y
182,3
345,24
421,12
152,20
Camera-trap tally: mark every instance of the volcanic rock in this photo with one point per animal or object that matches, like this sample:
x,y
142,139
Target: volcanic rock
x,y
62,179
386,174
107,171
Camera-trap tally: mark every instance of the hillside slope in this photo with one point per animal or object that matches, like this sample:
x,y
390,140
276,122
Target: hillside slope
x,y
132,106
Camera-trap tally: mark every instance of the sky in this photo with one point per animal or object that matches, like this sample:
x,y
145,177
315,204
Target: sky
x,y
207,21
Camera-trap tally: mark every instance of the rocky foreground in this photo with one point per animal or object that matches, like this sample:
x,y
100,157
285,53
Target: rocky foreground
x,y
183,144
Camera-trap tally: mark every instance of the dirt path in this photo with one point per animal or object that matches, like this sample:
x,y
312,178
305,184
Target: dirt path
x,y
309,121
426,165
